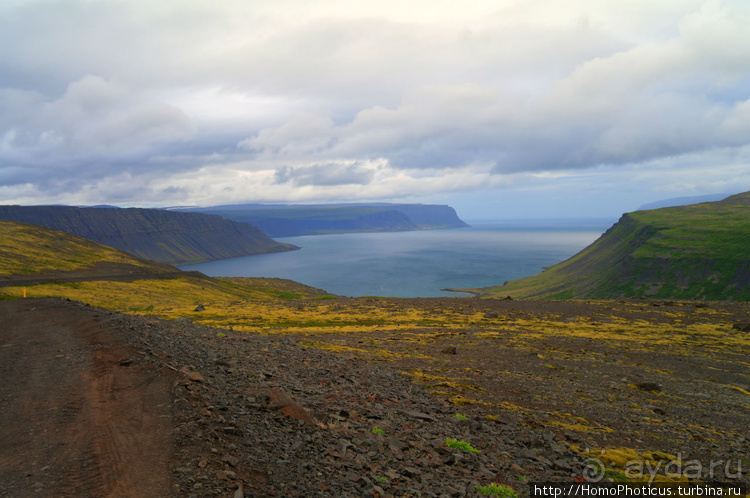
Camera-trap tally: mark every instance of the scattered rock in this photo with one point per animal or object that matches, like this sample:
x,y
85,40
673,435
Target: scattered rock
x,y
648,386
409,472
274,399
191,374
450,350
396,446
422,416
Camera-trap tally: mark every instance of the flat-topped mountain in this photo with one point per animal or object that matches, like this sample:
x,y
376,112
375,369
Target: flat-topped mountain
x,y
698,251
154,234
293,220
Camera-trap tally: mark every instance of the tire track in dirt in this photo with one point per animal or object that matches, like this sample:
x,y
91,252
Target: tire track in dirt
x,y
80,416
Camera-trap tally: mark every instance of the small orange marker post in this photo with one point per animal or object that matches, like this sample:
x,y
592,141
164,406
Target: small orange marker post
x,y
24,292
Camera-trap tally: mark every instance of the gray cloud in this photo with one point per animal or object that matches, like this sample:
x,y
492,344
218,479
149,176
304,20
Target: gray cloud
x,y
93,122
325,175
359,100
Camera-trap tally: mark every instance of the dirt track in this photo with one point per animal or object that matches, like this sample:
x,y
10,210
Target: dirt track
x,y
77,418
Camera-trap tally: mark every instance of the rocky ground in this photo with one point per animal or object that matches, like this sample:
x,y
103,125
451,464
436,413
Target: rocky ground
x,y
225,413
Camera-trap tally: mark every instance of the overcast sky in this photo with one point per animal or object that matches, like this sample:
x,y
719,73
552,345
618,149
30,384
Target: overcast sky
x,y
501,108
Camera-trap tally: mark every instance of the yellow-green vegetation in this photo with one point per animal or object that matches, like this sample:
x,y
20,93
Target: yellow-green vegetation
x,y
623,464
373,353
425,378
29,249
686,252
253,305
631,333
574,423
460,444
578,427
459,400
441,381
512,407
175,297
495,489
743,391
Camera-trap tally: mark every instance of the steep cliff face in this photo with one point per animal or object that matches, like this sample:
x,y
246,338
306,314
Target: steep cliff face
x,y
293,220
280,226
430,215
158,235
688,252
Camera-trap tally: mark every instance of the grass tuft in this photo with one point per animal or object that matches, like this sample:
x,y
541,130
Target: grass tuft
x,y
461,445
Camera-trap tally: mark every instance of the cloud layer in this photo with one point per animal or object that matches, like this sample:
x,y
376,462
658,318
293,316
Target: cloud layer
x,y
181,102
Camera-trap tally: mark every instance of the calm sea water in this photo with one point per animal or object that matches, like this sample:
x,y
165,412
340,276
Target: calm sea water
x,y
421,263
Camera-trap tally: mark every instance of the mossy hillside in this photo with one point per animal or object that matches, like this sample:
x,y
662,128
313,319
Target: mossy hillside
x,y
30,249
73,267
178,297
686,252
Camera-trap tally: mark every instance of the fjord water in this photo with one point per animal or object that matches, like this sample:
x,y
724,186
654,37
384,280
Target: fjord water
x,y
419,263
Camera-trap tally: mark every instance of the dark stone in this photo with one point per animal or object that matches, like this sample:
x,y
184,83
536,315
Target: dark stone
x,y
422,416
648,386
363,481
409,472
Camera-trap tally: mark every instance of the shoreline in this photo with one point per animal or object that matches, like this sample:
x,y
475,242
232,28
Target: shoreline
x,y
467,291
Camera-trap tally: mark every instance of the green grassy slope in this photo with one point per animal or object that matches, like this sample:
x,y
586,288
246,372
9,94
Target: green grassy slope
x,y
688,252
